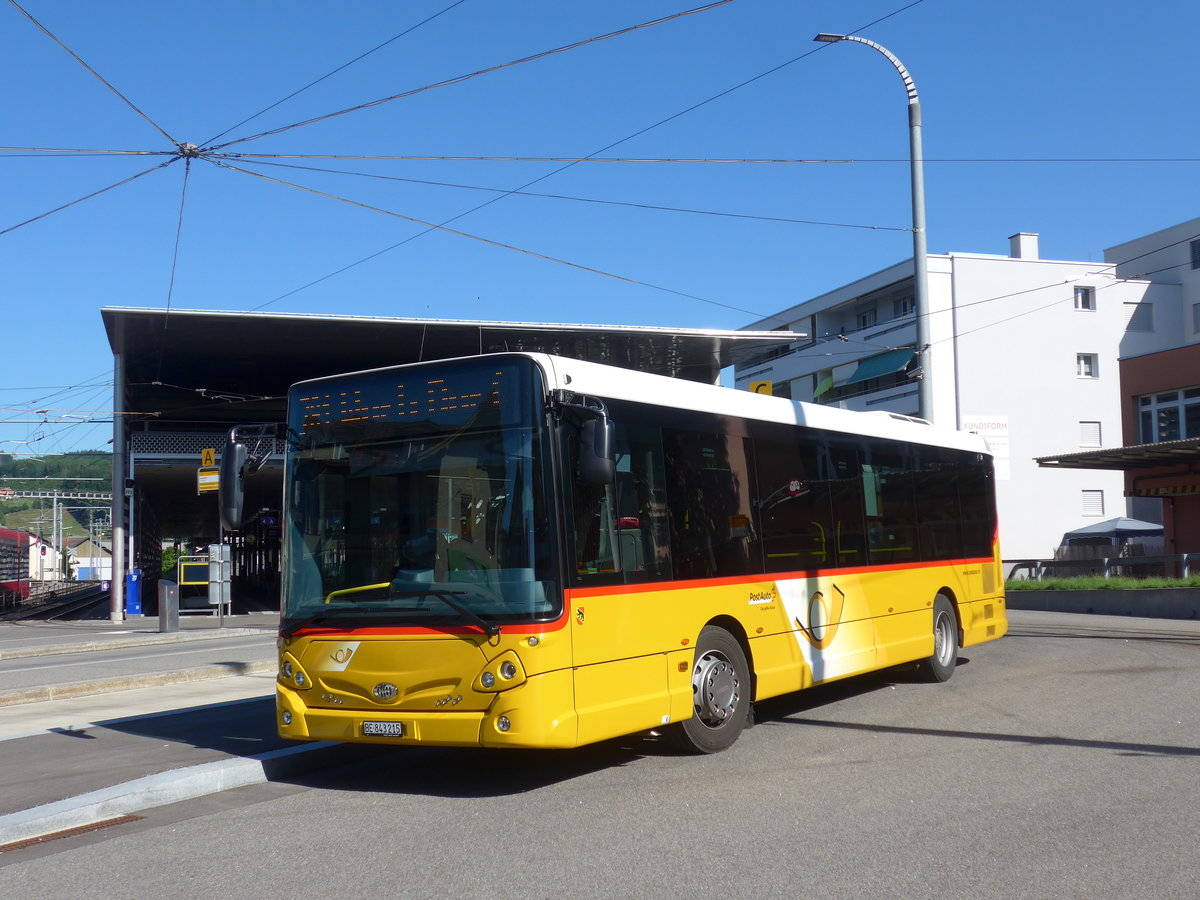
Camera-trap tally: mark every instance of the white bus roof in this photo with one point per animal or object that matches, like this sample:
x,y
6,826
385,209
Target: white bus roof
x,y
624,384
615,383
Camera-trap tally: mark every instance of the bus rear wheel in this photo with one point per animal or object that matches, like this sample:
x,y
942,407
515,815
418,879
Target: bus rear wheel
x,y
720,695
940,666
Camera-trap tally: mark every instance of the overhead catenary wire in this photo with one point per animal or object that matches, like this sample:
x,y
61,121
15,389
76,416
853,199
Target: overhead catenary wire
x,y
340,68
570,159
65,152
645,130
476,74
714,160
187,171
1107,270
429,226
520,193
586,159
42,28
102,190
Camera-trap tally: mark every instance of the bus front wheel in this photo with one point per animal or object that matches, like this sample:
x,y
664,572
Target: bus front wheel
x,y
940,666
720,695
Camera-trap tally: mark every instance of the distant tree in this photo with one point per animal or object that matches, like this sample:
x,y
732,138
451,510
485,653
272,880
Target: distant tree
x,y
169,558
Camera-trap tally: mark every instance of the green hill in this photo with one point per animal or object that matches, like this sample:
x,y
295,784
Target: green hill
x,y
59,472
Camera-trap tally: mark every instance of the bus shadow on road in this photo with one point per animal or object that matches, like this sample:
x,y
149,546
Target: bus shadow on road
x,y
455,772
478,773
788,705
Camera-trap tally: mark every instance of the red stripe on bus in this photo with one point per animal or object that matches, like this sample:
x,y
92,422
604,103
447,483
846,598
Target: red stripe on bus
x,y
730,581
410,630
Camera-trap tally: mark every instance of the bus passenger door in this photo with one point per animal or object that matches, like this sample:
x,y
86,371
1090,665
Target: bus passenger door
x,y
620,666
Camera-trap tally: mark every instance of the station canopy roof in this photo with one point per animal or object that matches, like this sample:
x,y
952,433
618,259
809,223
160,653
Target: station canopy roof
x,y
193,365
1130,459
192,371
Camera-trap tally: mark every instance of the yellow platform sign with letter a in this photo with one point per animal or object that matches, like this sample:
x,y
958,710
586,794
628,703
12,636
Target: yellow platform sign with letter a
x,y
208,457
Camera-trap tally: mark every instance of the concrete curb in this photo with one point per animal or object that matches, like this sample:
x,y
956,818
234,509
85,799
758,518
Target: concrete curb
x,y
162,789
130,682
1147,603
132,641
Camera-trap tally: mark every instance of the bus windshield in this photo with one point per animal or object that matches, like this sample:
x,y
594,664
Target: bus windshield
x,y
417,496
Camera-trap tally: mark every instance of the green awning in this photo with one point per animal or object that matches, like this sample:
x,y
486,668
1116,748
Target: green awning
x,y
884,364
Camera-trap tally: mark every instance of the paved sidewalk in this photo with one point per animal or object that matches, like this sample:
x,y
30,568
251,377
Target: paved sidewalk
x,y
71,762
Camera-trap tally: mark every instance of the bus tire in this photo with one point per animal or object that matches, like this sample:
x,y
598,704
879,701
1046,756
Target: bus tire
x,y
720,695
940,666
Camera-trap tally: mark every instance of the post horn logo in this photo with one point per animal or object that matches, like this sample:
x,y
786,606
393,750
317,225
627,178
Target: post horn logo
x,y
824,617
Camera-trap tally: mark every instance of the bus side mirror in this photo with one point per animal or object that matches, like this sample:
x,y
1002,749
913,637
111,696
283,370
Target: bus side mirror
x,y
597,465
231,492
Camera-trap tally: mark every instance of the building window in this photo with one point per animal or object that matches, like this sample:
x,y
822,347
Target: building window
x,y
865,318
903,306
1196,317
1087,365
1089,434
1085,298
1139,316
1169,416
1093,503
806,332
1196,254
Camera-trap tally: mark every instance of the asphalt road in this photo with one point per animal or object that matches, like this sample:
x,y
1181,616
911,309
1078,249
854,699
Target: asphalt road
x,y
1061,761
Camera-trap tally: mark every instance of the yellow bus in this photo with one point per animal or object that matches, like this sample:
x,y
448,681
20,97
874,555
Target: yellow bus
x,y
522,550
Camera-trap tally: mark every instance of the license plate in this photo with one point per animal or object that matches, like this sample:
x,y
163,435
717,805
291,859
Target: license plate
x,y
383,729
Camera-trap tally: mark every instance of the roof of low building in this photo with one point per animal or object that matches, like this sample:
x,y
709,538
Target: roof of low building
x,y
1131,458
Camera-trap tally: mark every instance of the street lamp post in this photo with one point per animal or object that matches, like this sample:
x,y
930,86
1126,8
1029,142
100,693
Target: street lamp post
x,y
920,257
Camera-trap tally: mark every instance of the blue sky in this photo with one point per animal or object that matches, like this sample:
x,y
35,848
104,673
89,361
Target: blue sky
x,y
998,82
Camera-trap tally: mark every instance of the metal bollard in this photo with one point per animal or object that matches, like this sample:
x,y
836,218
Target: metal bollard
x,y
168,606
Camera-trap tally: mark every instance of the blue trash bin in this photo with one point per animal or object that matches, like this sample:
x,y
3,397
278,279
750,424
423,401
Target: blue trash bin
x,y
133,593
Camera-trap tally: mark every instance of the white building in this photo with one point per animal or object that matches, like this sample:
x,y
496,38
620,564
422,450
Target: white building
x,y
1169,256
1023,350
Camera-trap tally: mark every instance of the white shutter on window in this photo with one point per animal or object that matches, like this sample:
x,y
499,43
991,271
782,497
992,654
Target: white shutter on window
x,y
1093,503
1089,434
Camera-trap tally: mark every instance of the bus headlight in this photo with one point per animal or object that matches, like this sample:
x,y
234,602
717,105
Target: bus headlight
x,y
291,673
501,674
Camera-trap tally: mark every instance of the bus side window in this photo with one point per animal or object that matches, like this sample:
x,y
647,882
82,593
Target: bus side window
x,y
938,511
890,505
708,498
842,472
620,529
977,491
792,506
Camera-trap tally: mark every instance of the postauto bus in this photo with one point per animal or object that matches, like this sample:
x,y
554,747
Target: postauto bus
x,y
522,550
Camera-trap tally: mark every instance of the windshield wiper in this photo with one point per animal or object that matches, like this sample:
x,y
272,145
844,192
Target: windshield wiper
x,y
490,628
287,630
446,596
